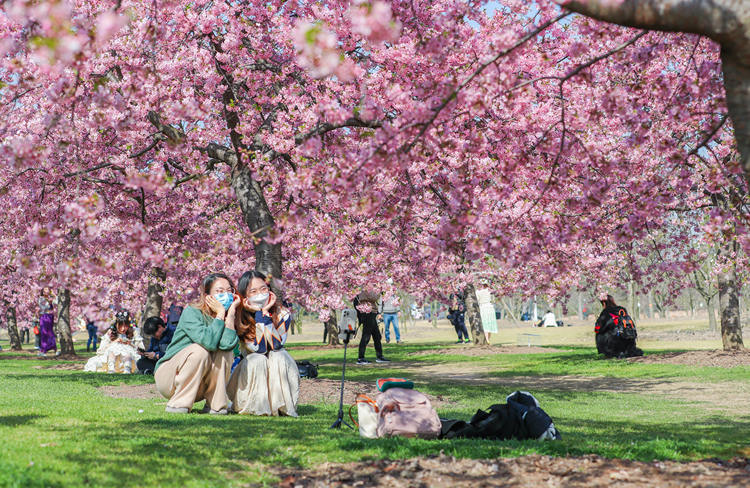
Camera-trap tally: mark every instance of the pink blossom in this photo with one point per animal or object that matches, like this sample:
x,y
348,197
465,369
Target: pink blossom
x,y
109,24
374,21
316,48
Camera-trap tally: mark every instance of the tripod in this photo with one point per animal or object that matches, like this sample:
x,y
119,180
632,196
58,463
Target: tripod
x,y
340,420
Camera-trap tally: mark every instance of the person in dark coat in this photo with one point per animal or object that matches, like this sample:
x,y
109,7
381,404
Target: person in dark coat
x,y
368,322
608,341
161,336
456,315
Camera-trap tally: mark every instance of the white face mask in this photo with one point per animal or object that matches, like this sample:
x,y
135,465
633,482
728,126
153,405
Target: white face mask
x,y
259,300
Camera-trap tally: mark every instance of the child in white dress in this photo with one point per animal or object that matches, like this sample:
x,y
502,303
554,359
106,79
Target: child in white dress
x,y
118,350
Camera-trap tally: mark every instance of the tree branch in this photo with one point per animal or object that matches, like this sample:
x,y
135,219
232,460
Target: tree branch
x,y
322,128
725,21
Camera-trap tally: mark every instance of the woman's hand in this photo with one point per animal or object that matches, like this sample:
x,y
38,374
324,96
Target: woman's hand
x,y
270,303
229,322
216,307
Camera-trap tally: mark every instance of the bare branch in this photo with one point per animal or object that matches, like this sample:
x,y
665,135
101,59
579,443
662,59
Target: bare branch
x,y
325,127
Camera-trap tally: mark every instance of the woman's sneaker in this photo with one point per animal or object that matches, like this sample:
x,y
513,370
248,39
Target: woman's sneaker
x,y
382,360
363,361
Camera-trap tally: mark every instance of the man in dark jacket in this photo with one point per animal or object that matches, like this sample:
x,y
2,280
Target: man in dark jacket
x,y
161,335
609,340
457,316
369,323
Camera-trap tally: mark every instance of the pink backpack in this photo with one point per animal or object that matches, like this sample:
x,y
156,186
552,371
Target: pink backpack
x,y
407,413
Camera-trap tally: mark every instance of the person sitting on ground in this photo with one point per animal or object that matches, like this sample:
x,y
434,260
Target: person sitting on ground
x,y
366,304
197,362
613,341
548,319
118,349
161,335
266,381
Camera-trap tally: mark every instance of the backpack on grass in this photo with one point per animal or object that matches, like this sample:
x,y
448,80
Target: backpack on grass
x,y
307,369
622,325
408,413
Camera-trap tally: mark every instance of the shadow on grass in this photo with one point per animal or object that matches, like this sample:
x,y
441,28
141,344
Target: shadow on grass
x,y
16,420
81,377
190,447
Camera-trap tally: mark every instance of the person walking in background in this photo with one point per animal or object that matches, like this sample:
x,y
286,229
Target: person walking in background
x,y
366,304
456,314
93,338
47,340
173,315
25,335
487,312
35,330
388,306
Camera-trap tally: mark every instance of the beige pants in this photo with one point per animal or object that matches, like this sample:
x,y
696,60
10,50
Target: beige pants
x,y
194,374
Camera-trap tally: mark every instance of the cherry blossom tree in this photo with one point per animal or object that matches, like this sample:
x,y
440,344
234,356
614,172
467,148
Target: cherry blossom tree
x,y
429,142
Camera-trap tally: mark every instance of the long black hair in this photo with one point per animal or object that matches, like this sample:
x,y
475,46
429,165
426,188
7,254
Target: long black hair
x,y
245,320
608,302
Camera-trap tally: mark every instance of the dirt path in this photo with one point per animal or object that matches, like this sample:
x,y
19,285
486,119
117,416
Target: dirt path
x,y
717,396
310,391
526,471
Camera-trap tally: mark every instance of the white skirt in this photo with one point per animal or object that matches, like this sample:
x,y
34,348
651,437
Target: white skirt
x,y
265,385
123,354
487,313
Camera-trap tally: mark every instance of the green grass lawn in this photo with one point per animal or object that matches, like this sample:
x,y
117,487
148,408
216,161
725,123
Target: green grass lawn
x,y
57,429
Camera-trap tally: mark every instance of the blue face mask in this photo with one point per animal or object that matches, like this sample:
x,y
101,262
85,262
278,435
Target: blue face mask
x,y
225,299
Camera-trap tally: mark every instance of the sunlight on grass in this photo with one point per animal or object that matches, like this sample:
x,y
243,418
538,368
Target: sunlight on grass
x,y
59,430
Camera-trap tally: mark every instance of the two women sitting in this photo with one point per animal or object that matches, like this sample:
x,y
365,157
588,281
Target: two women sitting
x,y
196,365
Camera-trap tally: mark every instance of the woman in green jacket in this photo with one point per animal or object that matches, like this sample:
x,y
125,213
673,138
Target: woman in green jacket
x,y
196,364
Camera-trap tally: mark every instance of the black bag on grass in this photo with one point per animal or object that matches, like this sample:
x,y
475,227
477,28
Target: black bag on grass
x,y
307,369
520,418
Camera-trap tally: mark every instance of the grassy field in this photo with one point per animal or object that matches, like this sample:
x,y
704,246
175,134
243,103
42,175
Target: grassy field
x,y
59,430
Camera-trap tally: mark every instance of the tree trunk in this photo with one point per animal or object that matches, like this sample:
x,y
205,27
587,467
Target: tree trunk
x,y
729,308
434,313
737,87
63,322
650,305
333,329
259,220
711,309
637,311
154,294
509,312
631,298
473,319
558,309
10,319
